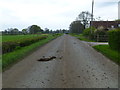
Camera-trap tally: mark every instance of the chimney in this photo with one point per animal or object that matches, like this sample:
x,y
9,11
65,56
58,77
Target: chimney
x,y
119,10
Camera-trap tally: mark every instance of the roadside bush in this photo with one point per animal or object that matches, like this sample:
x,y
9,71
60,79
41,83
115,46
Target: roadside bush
x,y
100,31
27,42
100,34
8,46
56,35
12,45
114,39
87,32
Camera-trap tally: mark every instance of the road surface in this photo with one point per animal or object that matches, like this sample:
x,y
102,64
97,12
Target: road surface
x,y
77,65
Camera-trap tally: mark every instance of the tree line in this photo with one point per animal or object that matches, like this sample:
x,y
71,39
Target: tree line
x,y
33,29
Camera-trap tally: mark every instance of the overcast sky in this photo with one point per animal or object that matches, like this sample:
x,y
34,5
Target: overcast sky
x,y
52,14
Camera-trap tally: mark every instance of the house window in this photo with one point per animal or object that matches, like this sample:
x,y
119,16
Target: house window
x,y
119,25
112,26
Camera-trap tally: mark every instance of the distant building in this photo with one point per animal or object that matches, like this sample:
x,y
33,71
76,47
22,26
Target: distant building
x,y
106,24
119,10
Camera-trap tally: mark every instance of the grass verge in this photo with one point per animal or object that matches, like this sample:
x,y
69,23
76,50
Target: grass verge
x,y
82,37
12,57
108,52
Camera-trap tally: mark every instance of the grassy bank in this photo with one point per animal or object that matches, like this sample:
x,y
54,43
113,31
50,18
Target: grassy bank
x,y
10,58
108,52
82,37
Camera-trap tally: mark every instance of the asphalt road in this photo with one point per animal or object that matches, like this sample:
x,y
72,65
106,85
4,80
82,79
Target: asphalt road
x,y
77,65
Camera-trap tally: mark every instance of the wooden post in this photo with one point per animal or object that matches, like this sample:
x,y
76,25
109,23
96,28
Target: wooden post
x,y
97,37
92,15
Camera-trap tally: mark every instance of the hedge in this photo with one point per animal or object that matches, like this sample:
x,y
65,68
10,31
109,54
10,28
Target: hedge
x,y
87,32
12,45
8,46
114,39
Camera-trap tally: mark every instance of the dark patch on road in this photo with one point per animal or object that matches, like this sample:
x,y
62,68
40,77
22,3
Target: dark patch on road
x,y
104,73
93,75
42,82
57,51
61,57
61,74
47,59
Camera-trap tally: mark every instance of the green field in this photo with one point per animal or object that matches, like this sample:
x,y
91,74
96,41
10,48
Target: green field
x,y
6,38
0,38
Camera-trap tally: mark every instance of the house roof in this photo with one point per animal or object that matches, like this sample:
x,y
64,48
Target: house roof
x,y
105,24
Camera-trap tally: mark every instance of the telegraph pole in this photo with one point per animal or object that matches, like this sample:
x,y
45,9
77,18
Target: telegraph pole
x,y
92,15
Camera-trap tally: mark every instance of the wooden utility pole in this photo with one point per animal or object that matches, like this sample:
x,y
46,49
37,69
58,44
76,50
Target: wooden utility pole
x,y
92,15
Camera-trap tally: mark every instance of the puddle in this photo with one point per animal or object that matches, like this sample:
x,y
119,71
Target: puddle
x,y
47,59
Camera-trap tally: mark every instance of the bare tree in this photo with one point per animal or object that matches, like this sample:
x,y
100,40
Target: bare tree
x,y
85,18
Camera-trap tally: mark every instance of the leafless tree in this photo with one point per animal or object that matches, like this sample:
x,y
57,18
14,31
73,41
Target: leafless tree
x,y
85,18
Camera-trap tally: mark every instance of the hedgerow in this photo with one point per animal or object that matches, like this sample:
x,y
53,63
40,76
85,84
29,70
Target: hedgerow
x,y
89,32
12,45
114,39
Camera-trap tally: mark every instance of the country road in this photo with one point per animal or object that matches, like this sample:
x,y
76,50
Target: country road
x,y
77,65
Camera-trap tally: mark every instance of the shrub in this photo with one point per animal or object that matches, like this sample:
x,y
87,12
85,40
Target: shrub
x,y
100,34
87,32
8,46
56,34
27,42
100,31
114,39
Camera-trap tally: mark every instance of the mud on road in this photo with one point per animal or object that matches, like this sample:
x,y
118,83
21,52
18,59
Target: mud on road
x,y
70,63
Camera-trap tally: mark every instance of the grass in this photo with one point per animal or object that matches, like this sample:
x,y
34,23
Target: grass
x,y
82,37
108,52
0,63
6,38
0,38
12,57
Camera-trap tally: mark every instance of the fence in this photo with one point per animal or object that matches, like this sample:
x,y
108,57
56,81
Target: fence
x,y
101,38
